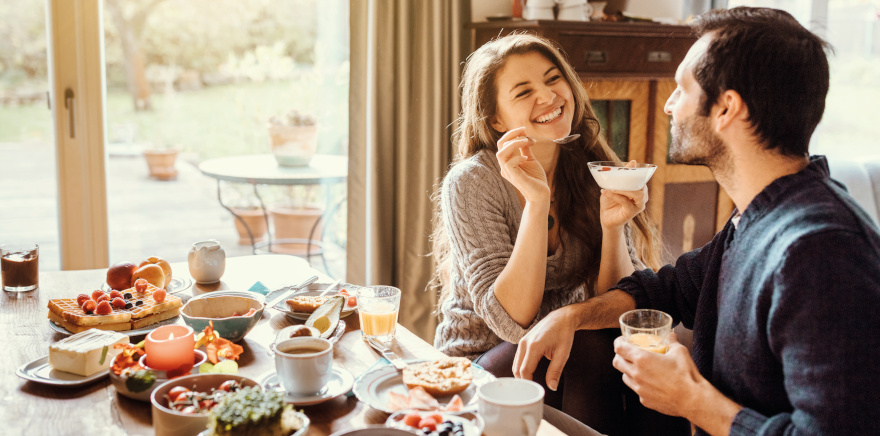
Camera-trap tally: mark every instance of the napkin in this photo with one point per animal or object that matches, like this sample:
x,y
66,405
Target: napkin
x,y
260,288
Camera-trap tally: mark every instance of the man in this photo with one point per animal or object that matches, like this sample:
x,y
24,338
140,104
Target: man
x,y
784,301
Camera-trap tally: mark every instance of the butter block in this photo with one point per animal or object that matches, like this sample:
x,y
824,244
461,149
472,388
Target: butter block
x,y
83,353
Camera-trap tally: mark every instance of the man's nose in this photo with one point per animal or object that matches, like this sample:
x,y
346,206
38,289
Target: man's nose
x,y
670,102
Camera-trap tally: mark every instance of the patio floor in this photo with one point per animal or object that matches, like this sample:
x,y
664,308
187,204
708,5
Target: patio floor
x,y
146,217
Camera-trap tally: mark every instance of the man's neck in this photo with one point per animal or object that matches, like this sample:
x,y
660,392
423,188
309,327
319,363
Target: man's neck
x,y
750,173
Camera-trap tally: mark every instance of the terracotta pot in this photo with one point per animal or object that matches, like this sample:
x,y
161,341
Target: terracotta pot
x,y
255,221
161,163
290,223
293,146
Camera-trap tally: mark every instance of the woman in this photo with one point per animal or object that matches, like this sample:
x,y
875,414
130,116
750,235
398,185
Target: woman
x,y
522,224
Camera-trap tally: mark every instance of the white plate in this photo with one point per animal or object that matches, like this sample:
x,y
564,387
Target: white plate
x,y
340,383
131,333
472,423
177,285
41,372
373,387
302,316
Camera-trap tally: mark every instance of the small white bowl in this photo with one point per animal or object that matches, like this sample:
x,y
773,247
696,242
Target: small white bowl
x,y
473,423
161,377
168,422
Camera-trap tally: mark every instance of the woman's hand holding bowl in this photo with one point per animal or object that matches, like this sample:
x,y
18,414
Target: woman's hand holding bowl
x,y
519,166
616,208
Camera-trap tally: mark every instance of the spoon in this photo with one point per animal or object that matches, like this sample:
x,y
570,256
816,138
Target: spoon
x,y
560,141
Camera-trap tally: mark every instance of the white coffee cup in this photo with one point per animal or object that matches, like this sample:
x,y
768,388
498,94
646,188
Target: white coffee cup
x,y
303,374
511,407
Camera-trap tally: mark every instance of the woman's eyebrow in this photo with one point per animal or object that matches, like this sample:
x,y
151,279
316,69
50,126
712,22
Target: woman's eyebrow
x,y
527,82
551,69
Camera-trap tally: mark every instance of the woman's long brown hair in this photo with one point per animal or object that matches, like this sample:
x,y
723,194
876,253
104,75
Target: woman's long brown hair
x,y
577,194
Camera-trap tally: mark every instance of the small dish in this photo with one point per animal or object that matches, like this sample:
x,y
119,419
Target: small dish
x,y
198,312
119,382
340,383
472,422
373,387
302,431
130,333
177,284
39,371
168,422
616,176
375,430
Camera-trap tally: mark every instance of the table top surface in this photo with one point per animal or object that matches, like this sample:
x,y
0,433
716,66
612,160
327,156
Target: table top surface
x,y
264,169
32,408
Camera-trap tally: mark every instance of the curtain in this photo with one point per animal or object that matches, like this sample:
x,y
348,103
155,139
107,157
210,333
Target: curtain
x,y
406,60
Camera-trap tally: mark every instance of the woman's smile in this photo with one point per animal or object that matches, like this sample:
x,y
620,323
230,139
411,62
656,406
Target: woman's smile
x,y
550,116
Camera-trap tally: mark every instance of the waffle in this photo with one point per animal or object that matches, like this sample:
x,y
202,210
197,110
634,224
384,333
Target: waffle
x,y
66,313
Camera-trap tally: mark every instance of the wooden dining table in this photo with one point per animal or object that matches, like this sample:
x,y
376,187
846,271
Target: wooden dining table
x,y
30,408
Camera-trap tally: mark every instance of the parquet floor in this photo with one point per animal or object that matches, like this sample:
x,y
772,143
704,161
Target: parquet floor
x,y
146,217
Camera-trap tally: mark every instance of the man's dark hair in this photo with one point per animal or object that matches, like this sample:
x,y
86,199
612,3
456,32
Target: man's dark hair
x,y
778,67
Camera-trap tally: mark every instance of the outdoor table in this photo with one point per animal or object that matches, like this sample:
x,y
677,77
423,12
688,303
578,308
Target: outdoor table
x,y
263,169
29,408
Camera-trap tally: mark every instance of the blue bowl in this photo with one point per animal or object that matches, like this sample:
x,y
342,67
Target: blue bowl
x,y
220,309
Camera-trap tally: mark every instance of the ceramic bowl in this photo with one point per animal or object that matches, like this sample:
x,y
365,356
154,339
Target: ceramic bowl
x,y
199,311
168,422
161,377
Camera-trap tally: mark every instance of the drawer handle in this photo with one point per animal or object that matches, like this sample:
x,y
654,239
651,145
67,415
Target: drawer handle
x,y
596,57
659,56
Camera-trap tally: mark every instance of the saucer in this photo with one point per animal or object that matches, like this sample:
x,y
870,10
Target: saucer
x,y
340,383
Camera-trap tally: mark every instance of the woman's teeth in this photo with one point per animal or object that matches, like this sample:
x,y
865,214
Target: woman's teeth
x,y
550,117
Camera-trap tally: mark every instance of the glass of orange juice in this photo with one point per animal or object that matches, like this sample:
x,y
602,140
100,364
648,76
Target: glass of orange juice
x,y
377,308
647,329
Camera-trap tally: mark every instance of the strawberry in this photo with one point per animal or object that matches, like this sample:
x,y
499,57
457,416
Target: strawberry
x,y
428,424
104,308
412,419
159,295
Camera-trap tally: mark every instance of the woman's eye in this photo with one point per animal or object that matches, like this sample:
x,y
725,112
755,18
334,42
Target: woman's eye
x,y
553,79
523,94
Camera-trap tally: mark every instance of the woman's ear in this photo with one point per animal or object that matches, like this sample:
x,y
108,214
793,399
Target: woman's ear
x,y
493,121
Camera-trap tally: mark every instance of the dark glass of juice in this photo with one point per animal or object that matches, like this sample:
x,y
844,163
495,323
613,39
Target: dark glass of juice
x,y
20,267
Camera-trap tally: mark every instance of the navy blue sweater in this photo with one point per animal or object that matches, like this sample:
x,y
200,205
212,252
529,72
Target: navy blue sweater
x,y
785,309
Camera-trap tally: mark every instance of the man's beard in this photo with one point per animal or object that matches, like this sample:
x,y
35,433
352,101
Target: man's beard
x,y
694,143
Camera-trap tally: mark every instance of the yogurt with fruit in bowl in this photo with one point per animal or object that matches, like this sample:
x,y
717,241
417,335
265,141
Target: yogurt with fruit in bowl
x,y
616,176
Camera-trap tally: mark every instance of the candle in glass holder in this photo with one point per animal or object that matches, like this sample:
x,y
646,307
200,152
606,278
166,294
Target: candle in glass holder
x,y
170,347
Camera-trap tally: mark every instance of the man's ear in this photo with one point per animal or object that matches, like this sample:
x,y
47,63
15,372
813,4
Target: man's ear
x,y
729,110
493,121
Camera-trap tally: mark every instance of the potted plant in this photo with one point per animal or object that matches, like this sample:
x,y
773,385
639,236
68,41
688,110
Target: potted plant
x,y
160,159
293,138
243,204
295,217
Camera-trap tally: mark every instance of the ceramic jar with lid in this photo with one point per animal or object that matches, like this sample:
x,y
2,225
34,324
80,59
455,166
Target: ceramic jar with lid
x,y
207,261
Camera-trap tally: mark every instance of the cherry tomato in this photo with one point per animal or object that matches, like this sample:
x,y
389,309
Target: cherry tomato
x,y
412,419
175,393
229,386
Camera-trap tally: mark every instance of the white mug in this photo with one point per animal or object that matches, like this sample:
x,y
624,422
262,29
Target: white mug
x,y
303,374
511,407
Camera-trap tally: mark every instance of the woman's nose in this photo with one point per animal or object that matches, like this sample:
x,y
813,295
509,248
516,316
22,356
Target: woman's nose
x,y
545,95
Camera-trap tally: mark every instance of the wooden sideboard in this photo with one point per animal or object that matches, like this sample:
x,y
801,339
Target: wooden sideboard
x,y
629,70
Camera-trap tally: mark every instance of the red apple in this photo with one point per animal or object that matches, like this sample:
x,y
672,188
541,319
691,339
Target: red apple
x,y
119,275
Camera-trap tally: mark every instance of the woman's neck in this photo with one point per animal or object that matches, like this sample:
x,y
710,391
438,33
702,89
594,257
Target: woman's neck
x,y
547,154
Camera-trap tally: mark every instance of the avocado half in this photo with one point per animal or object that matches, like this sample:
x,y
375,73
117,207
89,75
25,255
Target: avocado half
x,y
326,317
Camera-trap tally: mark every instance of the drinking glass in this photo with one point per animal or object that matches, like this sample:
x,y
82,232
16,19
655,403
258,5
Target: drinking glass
x,y
647,329
20,267
377,308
